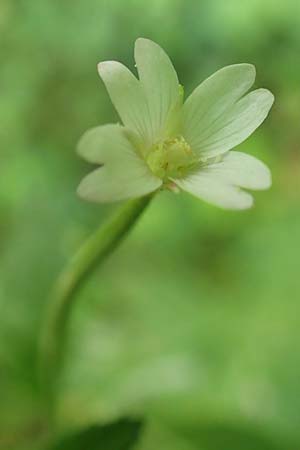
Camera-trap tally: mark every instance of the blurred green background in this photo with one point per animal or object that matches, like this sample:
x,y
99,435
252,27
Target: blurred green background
x,y
193,323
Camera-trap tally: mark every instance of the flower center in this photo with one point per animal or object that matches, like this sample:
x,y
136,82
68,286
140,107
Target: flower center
x,y
171,158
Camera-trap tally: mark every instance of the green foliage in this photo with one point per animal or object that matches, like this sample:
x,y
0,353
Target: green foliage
x,y
116,436
194,320
208,436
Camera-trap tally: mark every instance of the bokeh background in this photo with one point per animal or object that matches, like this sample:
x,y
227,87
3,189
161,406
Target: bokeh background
x,y
193,323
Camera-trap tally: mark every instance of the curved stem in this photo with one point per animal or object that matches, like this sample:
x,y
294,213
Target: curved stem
x,y
81,266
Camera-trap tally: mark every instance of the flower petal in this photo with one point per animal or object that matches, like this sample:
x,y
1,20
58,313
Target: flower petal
x,y
159,81
236,125
127,96
123,175
212,190
213,97
241,170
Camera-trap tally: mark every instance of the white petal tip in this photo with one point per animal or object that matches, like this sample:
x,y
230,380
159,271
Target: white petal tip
x,y
263,179
266,181
143,44
104,67
247,204
101,65
243,68
246,201
250,67
142,40
272,97
267,95
82,191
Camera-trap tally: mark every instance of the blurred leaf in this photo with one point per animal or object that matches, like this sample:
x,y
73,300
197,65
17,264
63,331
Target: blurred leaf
x,y
120,435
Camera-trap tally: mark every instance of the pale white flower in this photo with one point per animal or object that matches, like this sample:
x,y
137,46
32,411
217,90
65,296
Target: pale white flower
x,y
165,142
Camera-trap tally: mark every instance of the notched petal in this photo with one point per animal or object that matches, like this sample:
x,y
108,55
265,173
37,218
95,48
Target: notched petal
x,y
124,174
216,192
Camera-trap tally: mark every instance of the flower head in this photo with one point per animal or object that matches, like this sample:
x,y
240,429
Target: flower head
x,y
165,142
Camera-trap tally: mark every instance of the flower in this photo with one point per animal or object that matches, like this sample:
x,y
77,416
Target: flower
x,y
165,142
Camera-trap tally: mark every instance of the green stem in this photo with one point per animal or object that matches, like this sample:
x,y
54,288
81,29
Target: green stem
x,y
92,253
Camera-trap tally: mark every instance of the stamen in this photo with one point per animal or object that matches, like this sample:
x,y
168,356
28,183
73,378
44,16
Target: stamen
x,y
171,158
